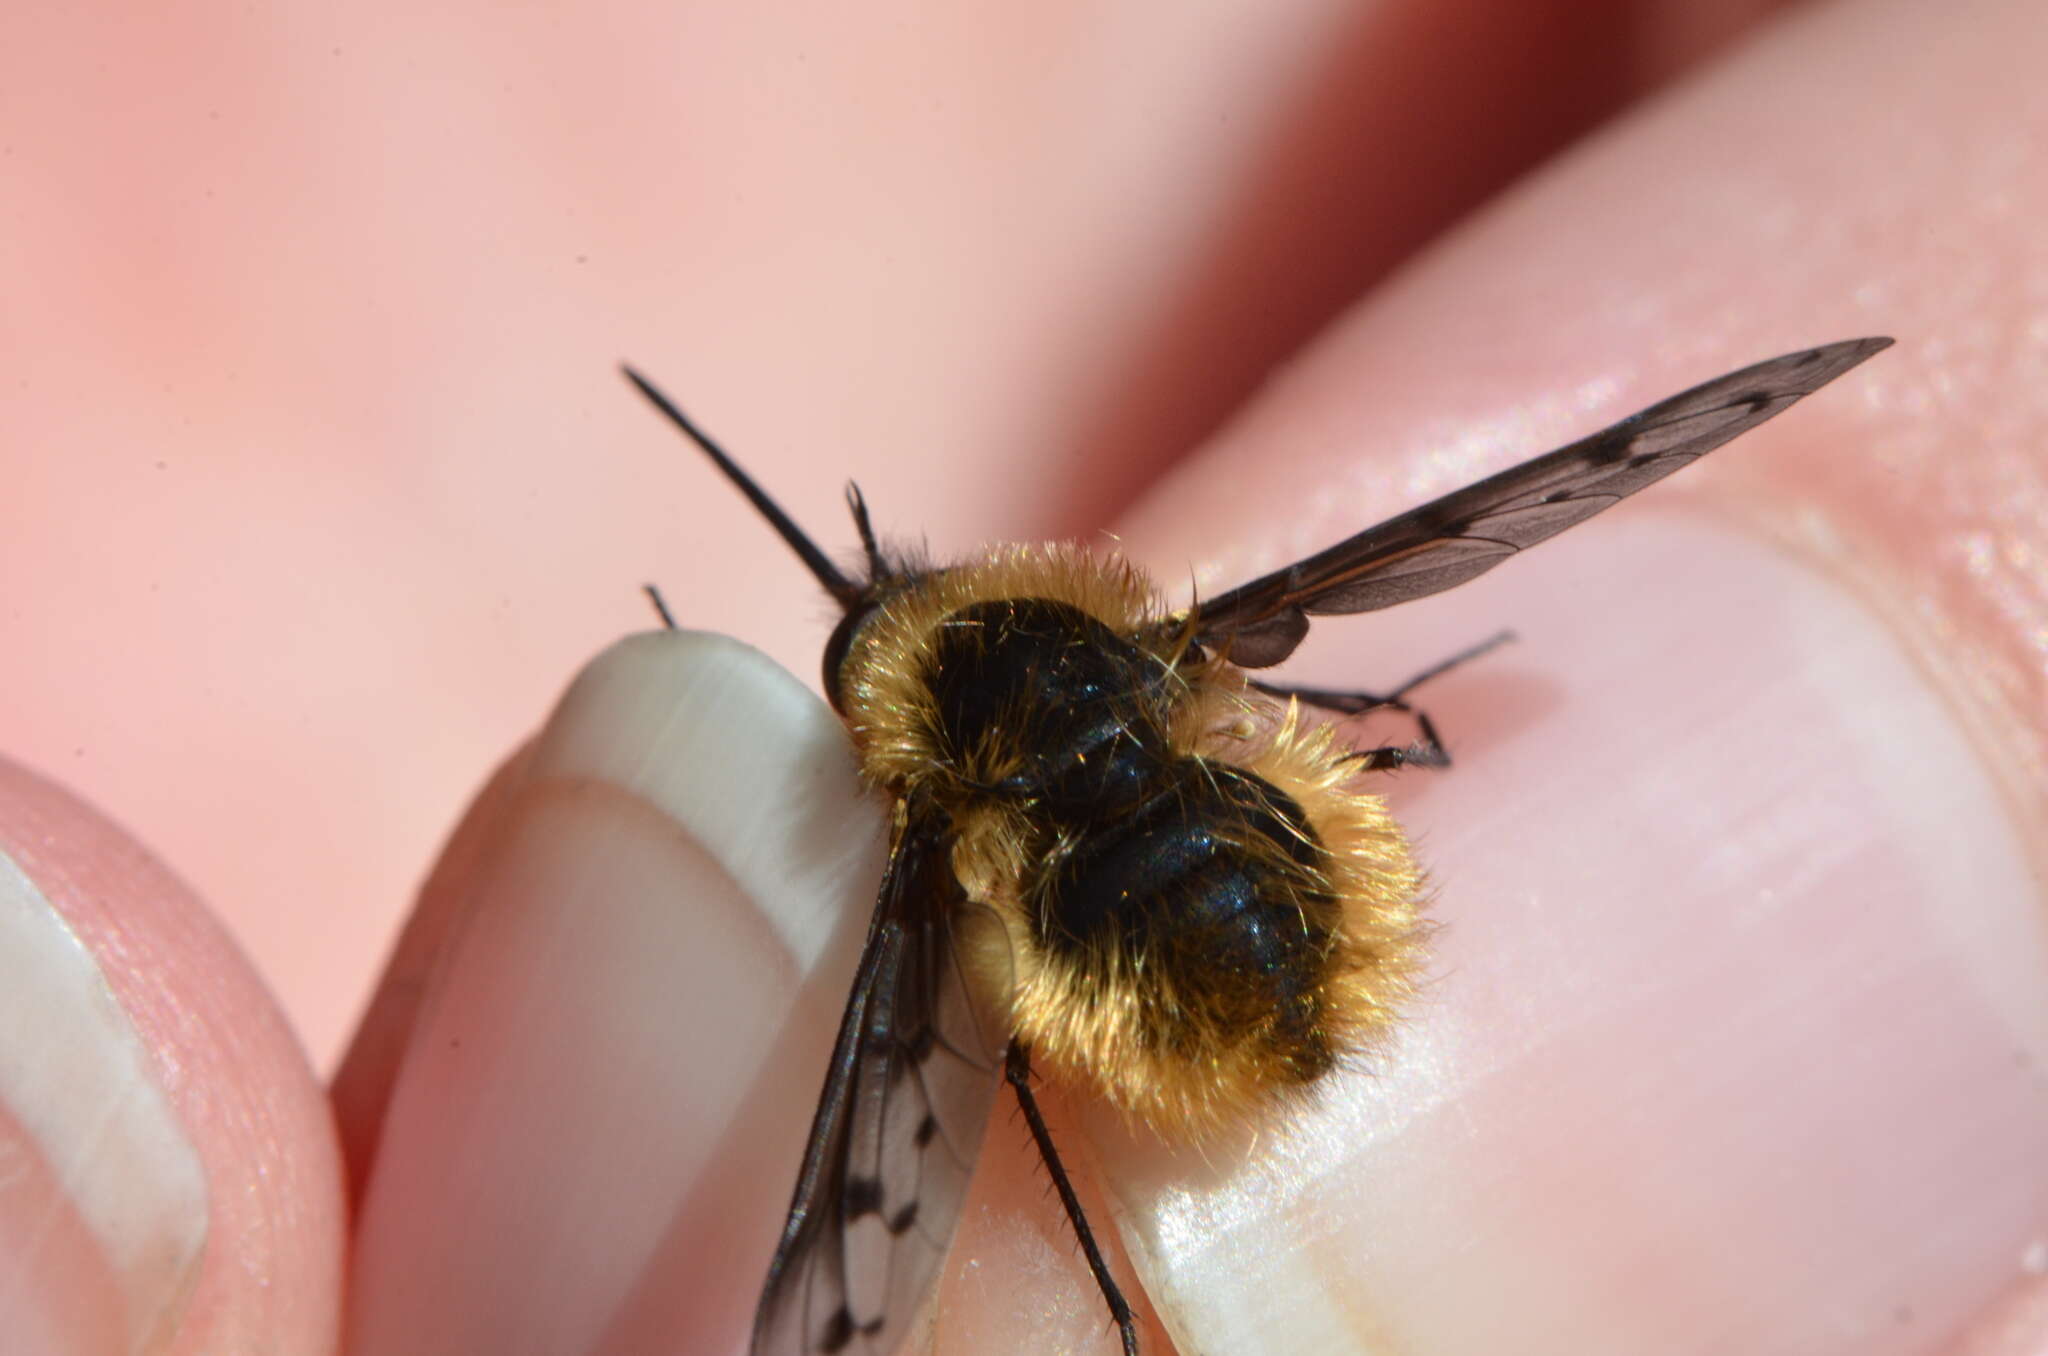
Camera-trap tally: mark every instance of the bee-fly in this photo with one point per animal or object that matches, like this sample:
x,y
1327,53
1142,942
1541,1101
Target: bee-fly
x,y
1115,854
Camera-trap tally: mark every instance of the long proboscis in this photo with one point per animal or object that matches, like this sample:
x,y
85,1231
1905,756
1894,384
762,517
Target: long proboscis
x,y
837,584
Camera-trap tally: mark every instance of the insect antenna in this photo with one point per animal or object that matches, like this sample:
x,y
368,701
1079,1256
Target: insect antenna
x,y
816,561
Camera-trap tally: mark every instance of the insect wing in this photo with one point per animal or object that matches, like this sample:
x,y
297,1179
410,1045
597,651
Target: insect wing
x,y
1466,533
913,1076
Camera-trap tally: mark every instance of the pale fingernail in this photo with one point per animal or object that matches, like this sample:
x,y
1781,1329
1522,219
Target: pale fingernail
x,y
689,839
103,1210
1736,1037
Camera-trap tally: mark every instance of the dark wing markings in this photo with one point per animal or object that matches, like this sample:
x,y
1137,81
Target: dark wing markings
x,y
1467,532
907,1096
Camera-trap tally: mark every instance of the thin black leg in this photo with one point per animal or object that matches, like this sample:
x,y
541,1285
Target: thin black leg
x,y
1017,1069
1443,666
1429,751
668,619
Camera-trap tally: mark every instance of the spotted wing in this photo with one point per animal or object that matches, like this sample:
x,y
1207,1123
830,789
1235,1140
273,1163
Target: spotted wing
x,y
1466,533
914,1074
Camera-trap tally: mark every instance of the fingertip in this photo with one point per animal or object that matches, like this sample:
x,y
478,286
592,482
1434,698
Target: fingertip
x,y
1734,1036
178,1188
599,1097
361,1090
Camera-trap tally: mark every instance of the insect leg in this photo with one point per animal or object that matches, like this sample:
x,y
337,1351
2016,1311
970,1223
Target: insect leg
x,y
1430,750
1017,1069
668,619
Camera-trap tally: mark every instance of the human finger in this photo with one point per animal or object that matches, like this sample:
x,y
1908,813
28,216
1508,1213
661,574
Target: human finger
x,y
172,1182
1735,1040
583,1091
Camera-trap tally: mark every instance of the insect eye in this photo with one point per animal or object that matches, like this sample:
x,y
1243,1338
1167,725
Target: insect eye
x,y
837,648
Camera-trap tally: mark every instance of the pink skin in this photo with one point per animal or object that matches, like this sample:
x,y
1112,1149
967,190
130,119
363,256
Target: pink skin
x,y
309,326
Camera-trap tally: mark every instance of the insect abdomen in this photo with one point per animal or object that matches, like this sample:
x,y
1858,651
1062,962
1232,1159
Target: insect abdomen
x,y
1217,888
1225,942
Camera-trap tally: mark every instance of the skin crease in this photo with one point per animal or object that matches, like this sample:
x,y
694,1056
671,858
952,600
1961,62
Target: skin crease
x,y
328,484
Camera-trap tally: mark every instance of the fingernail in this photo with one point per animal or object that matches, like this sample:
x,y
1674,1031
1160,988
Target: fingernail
x,y
103,1209
690,840
1736,1035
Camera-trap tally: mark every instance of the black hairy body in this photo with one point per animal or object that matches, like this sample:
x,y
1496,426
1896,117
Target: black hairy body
x,y
1117,856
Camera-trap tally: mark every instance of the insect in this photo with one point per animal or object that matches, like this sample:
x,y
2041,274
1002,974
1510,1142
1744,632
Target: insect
x,y
1116,854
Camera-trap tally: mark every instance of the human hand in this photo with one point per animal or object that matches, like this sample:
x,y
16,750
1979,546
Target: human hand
x,y
1683,1076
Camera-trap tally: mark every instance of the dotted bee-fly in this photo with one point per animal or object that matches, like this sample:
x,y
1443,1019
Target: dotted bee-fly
x,y
1117,855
